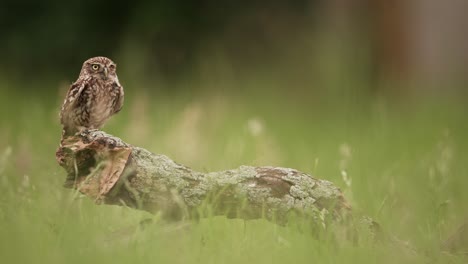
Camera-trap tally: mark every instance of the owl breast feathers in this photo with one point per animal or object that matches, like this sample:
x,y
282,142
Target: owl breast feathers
x,y
93,98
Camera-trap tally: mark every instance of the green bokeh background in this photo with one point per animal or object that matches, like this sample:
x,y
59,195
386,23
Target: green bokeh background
x,y
215,85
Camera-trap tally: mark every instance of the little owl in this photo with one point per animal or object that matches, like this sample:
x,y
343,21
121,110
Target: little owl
x,y
93,98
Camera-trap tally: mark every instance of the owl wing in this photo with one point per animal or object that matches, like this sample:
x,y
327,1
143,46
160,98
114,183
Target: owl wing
x,y
71,99
119,100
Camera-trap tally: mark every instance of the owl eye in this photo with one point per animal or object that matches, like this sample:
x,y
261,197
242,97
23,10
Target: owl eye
x,y
95,67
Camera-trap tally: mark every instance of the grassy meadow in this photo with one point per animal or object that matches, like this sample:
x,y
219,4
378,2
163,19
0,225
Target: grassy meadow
x,y
405,164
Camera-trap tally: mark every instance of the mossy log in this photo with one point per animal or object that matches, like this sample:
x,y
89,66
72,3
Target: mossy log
x,y
111,171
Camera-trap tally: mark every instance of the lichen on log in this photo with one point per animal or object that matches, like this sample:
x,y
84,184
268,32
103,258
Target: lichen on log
x,y
111,171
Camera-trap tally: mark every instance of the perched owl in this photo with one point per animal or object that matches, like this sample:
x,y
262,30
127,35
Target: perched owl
x,y
93,98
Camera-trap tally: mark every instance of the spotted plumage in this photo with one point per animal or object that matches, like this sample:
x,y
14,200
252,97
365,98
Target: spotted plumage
x,y
93,98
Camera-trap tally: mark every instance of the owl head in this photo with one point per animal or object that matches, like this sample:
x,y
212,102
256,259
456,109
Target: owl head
x,y
99,67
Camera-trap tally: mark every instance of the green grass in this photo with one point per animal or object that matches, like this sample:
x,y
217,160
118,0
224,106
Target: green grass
x,y
408,166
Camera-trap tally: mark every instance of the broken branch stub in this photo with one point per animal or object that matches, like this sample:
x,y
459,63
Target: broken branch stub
x,y
111,171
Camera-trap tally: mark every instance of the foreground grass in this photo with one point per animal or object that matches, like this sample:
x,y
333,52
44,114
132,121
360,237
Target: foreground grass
x,y
406,168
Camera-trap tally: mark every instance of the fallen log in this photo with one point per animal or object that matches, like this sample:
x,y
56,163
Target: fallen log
x,y
111,171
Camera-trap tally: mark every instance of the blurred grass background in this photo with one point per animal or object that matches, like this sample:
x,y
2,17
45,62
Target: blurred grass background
x,y
366,94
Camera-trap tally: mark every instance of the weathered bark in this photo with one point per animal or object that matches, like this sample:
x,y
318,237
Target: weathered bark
x,y
111,171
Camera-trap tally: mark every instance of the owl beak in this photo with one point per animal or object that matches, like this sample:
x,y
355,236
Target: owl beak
x,y
106,72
